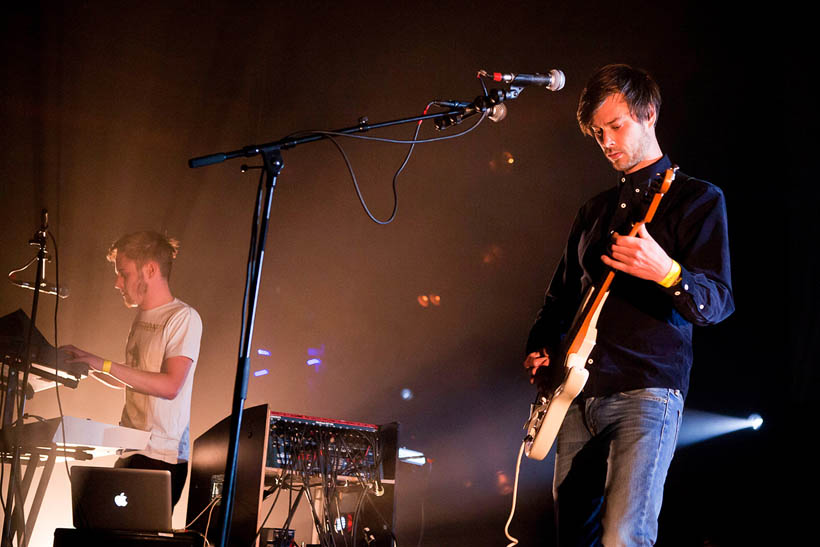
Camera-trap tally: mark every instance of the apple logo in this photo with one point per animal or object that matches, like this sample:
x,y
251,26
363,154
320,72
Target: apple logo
x,y
121,500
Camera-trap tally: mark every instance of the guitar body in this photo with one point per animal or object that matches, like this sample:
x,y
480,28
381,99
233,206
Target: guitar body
x,y
559,385
556,393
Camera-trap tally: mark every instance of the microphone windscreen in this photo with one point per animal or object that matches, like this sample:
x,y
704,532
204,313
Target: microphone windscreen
x,y
557,80
498,112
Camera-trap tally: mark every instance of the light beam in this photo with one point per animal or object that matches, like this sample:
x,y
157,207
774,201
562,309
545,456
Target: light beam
x,y
698,426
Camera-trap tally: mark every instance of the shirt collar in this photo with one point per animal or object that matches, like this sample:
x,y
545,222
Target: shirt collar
x,y
642,177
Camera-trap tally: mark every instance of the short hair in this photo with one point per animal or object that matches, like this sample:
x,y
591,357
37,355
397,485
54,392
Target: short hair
x,y
640,92
144,246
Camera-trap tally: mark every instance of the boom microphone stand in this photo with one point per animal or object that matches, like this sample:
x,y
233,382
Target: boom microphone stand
x,y
272,165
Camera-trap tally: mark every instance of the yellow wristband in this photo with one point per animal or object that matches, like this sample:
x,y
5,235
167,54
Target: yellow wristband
x,y
671,277
106,366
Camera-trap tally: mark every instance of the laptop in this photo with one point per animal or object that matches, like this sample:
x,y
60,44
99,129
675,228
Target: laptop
x,y
121,499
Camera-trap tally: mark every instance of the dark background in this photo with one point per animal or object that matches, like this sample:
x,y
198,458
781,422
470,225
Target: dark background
x,y
103,103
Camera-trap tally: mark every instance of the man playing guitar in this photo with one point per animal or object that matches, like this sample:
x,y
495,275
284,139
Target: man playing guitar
x,y
616,442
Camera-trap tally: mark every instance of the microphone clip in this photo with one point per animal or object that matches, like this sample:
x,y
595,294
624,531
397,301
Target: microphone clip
x,y
491,102
40,236
42,257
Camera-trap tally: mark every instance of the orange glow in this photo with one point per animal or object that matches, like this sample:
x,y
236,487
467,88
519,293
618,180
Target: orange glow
x,y
502,483
427,300
492,254
501,160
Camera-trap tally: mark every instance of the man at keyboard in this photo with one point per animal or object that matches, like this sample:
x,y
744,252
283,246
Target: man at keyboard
x,y
161,356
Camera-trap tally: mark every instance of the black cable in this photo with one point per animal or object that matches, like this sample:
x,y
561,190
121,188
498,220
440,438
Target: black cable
x,y
386,524
338,520
395,178
392,141
357,510
316,521
329,453
330,136
324,473
423,498
57,350
275,499
3,453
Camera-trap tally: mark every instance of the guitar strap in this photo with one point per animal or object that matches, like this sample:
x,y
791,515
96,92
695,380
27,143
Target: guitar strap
x,y
621,219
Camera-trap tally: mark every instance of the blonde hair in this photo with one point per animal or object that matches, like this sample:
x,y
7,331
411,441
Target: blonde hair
x,y
144,246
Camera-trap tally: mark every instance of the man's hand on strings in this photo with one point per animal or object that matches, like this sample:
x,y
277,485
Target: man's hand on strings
x,y
640,256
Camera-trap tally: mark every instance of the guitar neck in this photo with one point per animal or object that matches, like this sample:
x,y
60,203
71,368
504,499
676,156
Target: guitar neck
x,y
599,294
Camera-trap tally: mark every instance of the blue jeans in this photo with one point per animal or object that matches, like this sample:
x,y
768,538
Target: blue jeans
x,y
612,455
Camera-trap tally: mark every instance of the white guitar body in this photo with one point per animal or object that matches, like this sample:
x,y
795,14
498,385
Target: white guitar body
x,y
547,414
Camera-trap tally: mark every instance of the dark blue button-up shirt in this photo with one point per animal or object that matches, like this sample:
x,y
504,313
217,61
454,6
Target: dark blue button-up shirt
x,y
644,330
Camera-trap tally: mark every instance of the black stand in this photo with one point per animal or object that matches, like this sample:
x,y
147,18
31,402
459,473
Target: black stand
x,y
15,508
272,164
259,230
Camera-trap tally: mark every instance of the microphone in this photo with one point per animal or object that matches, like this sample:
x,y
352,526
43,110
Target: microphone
x,y
496,112
553,81
45,288
452,104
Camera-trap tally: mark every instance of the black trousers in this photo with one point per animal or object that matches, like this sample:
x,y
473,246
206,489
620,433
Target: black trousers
x,y
179,471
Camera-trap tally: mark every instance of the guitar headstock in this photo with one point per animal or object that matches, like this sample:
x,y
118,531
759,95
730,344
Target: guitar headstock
x,y
660,185
657,189
668,179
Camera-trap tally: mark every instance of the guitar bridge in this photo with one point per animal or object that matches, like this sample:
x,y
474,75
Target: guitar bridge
x,y
537,411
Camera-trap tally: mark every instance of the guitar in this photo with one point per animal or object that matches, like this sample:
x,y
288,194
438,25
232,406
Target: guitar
x,y
558,386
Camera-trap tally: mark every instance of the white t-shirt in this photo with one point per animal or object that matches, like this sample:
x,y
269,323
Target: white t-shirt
x,y
170,330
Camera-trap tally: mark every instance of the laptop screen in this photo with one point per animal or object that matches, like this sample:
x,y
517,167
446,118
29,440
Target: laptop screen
x,y
121,499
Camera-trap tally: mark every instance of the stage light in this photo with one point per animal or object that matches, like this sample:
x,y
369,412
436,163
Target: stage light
x,y
264,352
261,372
492,254
314,356
343,523
503,160
698,426
503,484
756,420
411,456
427,300
406,394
